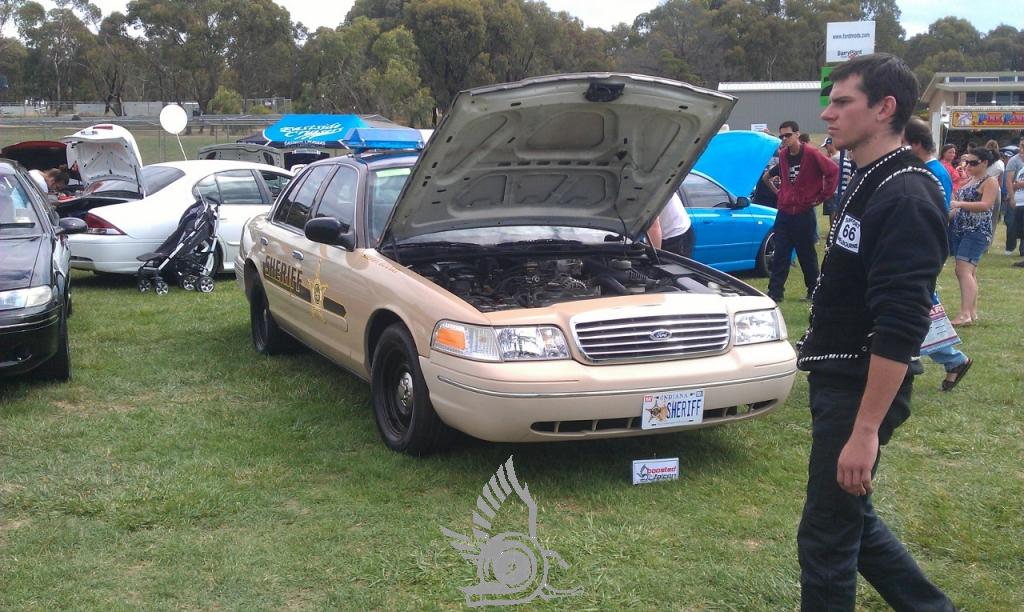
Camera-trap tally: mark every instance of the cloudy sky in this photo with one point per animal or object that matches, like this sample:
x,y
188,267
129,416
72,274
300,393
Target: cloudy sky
x,y
917,14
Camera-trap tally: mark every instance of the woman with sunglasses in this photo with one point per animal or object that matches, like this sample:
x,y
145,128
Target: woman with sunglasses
x,y
971,211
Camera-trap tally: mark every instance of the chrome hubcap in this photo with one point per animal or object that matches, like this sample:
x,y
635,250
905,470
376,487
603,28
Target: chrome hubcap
x,y
403,392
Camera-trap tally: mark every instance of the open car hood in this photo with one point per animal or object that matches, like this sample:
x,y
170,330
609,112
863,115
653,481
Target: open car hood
x,y
736,160
595,150
105,152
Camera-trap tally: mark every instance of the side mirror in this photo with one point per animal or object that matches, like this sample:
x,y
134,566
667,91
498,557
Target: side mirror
x,y
71,225
741,202
328,230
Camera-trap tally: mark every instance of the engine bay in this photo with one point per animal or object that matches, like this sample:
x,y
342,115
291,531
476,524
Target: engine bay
x,y
504,282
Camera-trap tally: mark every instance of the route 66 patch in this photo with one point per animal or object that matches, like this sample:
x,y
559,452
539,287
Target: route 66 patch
x,y
848,235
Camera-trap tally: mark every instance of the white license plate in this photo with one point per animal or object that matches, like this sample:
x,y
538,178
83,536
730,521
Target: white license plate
x,y
672,409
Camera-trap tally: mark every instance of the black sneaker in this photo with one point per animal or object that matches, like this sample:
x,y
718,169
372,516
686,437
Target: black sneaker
x,y
1019,264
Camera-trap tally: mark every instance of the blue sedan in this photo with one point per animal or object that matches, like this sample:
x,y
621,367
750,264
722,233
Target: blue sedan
x,y
730,233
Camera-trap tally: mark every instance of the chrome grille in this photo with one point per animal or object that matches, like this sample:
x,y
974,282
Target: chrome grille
x,y
652,338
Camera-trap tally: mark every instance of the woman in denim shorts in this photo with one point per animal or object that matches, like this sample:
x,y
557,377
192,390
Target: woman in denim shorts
x,y
972,228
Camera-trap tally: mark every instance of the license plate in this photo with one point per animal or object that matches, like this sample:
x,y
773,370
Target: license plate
x,y
672,409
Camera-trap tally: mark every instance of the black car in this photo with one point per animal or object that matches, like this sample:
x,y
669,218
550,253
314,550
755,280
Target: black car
x,y
35,298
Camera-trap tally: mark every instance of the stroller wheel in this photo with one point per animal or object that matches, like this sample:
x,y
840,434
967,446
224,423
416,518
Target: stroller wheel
x,y
160,286
144,285
204,284
188,283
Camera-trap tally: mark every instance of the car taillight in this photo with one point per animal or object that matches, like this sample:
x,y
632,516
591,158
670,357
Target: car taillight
x,y
96,225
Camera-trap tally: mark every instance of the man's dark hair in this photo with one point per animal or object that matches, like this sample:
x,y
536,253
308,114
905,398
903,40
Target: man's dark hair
x,y
917,132
883,75
790,124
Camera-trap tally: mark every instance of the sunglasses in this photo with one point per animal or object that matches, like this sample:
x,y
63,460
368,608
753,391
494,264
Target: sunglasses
x,y
785,136
972,162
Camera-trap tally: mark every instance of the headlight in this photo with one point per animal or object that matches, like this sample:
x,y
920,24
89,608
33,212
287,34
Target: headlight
x,y
757,326
25,298
499,343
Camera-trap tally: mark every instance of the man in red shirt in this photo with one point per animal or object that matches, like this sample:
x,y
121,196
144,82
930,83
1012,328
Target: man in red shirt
x,y
808,178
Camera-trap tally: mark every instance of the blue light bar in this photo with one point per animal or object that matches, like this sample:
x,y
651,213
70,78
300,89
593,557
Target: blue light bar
x,y
362,139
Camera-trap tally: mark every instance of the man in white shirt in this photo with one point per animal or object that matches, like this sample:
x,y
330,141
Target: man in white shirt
x,y
672,230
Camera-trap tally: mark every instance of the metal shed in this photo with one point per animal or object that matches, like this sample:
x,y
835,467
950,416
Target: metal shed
x,y
775,102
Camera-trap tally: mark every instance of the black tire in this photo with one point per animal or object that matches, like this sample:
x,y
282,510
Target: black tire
x,y
267,337
765,254
58,367
401,402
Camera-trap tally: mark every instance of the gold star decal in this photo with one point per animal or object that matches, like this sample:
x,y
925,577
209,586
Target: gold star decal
x,y
317,289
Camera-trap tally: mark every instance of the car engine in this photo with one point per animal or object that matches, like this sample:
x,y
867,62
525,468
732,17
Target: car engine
x,y
492,283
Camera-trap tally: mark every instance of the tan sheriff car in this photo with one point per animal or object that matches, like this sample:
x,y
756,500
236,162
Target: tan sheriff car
x,y
496,284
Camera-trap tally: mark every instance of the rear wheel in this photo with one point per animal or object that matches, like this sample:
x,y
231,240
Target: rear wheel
x,y
765,254
267,337
204,284
401,402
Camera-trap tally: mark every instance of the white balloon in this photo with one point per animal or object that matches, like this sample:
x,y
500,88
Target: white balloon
x,y
173,119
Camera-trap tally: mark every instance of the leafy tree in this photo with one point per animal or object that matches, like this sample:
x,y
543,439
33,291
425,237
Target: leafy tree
x,y
260,49
226,102
55,39
12,65
450,36
389,14
186,43
113,61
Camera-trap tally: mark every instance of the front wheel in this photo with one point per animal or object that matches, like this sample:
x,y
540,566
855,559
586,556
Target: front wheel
x,y
401,402
765,254
58,367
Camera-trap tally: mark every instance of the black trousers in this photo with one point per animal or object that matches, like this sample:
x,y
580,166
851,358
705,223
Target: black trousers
x,y
794,232
840,534
1015,229
681,244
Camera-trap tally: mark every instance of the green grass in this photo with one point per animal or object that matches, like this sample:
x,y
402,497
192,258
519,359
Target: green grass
x,y
180,469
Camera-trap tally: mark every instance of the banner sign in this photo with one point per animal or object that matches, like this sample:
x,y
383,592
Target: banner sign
x,y
846,39
995,118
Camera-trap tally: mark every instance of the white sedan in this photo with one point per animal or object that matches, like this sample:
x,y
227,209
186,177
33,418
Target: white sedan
x,y
122,226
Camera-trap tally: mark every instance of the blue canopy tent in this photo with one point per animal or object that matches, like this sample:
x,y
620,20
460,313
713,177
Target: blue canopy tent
x,y
319,131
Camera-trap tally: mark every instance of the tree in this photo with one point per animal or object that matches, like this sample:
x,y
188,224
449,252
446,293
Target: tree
x,y
55,39
260,43
186,43
112,60
450,36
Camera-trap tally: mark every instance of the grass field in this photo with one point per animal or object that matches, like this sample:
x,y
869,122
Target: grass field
x,y
181,470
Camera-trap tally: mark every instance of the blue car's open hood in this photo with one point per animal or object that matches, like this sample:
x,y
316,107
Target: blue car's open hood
x,y
736,159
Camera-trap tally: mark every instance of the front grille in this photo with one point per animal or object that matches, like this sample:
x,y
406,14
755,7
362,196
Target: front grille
x,y
652,338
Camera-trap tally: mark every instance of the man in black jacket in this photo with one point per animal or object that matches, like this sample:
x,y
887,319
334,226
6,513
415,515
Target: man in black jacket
x,y
869,316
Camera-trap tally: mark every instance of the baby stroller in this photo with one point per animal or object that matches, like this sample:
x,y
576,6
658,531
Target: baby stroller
x,y
187,256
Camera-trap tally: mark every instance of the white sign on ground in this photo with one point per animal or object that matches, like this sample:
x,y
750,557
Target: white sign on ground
x,y
847,39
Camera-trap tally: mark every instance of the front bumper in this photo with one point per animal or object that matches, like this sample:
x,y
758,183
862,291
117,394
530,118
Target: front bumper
x,y
560,400
27,341
111,254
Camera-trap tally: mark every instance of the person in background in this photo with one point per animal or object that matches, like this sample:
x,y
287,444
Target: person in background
x,y
830,206
949,162
919,137
56,180
1015,185
807,178
995,170
1015,218
672,230
972,228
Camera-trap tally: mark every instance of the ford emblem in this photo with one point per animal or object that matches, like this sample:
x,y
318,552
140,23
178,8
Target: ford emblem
x,y
661,334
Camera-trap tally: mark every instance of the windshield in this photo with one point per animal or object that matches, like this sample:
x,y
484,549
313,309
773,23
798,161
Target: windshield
x,y
17,217
385,185
154,178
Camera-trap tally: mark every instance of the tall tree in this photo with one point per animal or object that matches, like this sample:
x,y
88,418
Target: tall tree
x,y
56,39
186,42
260,43
450,36
113,60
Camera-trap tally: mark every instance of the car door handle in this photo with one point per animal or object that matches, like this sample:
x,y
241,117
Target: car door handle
x,y
297,255
264,241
